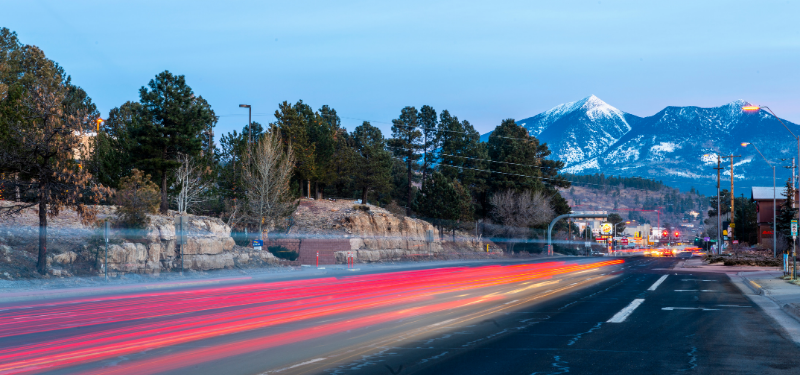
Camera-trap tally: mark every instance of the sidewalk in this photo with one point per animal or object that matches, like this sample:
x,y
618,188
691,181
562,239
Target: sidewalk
x,y
771,285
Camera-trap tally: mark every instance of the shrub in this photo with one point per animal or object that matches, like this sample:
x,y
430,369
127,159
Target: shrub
x,y
136,198
283,253
362,207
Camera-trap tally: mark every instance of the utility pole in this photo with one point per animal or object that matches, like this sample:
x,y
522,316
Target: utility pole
x,y
732,226
719,209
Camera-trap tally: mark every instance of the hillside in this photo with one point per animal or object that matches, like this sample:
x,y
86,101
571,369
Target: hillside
x,y
676,208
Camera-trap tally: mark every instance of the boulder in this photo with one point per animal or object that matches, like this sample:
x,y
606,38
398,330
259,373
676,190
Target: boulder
x,y
209,262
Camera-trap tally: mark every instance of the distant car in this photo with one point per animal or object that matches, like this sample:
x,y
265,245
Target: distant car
x,y
596,254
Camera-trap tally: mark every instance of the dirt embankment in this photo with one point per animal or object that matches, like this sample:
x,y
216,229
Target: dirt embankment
x,y
374,234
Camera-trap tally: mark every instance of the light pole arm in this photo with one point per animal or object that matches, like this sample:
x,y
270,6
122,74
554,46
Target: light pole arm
x,y
762,155
779,120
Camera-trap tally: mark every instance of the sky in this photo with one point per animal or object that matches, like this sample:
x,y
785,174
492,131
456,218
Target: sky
x,y
484,61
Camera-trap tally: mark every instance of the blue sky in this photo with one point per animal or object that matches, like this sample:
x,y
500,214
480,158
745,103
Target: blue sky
x,y
482,60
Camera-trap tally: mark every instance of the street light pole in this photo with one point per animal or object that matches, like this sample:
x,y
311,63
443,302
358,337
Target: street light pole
x,y
774,200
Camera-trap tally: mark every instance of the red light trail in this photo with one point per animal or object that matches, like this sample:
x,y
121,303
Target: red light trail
x,y
121,325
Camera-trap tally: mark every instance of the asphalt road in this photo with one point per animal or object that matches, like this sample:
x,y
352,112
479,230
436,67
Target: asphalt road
x,y
589,315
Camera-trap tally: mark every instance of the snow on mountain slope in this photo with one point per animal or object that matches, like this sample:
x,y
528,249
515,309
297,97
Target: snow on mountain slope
x,y
579,130
591,136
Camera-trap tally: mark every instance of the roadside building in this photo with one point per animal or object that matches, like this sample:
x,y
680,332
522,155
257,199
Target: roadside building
x,y
763,197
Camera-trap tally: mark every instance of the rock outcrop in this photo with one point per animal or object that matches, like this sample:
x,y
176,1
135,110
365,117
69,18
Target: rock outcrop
x,y
209,246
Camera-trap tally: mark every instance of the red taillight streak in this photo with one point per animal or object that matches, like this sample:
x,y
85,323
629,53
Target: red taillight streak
x,y
370,292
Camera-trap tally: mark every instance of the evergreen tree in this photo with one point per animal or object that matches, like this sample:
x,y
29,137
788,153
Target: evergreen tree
x,y
373,161
113,157
746,221
463,157
430,138
43,121
406,144
294,129
444,202
519,161
173,119
787,212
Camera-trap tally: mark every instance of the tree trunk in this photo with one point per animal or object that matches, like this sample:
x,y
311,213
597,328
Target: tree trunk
x,y
316,190
164,202
408,199
309,189
41,264
364,195
16,187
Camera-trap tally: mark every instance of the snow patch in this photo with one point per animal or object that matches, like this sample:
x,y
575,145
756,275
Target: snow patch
x,y
664,147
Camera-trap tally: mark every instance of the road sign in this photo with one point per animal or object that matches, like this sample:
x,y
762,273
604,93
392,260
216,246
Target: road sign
x,y
794,228
724,232
624,241
257,244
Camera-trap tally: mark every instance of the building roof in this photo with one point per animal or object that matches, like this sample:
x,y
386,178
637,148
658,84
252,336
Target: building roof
x,y
760,193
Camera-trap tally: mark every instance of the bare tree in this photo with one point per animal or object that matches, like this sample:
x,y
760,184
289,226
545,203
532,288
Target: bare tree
x,y
519,211
190,184
266,179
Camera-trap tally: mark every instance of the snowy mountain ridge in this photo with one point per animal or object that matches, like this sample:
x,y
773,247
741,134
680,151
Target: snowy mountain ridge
x,y
591,136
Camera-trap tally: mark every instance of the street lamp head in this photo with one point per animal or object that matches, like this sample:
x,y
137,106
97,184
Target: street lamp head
x,y
745,144
244,105
751,108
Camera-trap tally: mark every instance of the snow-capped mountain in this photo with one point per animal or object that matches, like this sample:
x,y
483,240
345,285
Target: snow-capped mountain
x,y
580,130
677,145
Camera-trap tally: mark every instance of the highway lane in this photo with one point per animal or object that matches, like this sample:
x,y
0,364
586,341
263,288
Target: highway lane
x,y
544,316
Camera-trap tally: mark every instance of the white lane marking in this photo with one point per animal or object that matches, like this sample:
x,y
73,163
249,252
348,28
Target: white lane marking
x,y
623,314
694,290
511,302
307,362
295,366
734,306
687,308
658,282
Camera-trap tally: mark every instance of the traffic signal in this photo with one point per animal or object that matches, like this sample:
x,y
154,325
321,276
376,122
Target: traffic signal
x,y
677,234
665,233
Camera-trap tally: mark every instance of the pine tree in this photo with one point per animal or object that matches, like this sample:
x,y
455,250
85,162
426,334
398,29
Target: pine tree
x,y
374,163
787,212
406,144
173,120
430,138
43,117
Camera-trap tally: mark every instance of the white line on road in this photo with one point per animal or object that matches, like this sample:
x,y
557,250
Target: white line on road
x,y
628,310
658,282
687,308
694,290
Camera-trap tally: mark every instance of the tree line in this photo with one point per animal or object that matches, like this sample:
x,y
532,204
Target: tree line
x,y
158,153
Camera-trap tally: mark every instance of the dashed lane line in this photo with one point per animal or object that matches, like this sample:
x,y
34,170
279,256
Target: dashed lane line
x,y
658,282
624,313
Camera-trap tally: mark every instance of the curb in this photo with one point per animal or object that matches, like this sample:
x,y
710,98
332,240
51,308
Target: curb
x,y
758,289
